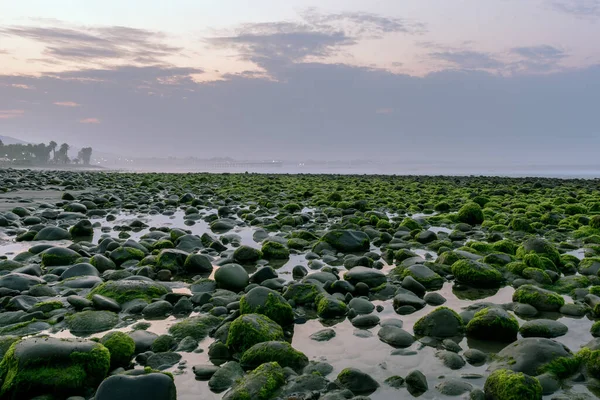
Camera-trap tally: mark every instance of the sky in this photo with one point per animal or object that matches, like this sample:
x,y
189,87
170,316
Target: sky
x,y
504,81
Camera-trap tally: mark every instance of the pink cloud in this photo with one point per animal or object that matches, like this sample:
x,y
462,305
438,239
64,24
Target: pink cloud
x,y
384,111
8,114
66,104
89,121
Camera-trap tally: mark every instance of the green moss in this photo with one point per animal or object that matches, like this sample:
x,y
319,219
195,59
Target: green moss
x,y
281,352
493,324
330,307
274,308
471,213
543,300
591,360
515,267
508,385
197,327
505,246
476,274
562,367
121,348
40,376
274,250
122,294
410,224
248,330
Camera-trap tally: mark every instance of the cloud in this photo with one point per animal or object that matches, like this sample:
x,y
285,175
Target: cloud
x,y
468,59
89,121
321,111
577,8
274,46
10,114
66,104
87,44
361,24
384,111
538,58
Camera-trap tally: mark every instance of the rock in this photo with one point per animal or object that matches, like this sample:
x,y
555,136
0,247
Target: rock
x,y
157,310
525,310
225,376
19,282
544,328
52,233
89,322
58,256
425,237
451,359
126,290
104,303
330,307
260,384
250,329
197,327
232,277
160,361
434,299
454,387
540,247
365,321
395,381
408,299
102,263
187,345
122,254
274,251
442,323
121,348
470,213
424,275
261,300
357,381
416,383
82,269
152,386
303,293
143,340
493,324
281,352
347,241
541,299
246,254
204,372
48,365
369,276
323,335
197,264
476,274
475,357
507,385
396,337
528,355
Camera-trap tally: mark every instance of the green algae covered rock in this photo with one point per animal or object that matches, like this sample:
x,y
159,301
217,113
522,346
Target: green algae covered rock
x,y
275,251
261,300
543,300
121,348
197,327
57,256
63,367
281,352
508,385
477,274
493,324
471,213
130,289
250,329
442,322
261,384
347,241
89,322
540,247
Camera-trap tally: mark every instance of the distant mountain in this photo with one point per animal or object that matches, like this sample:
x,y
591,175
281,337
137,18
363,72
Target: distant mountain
x,y
11,140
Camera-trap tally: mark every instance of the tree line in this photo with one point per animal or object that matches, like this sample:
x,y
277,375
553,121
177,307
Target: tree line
x,y
43,154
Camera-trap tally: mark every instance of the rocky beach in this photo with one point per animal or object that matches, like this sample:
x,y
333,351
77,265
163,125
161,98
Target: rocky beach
x,y
189,286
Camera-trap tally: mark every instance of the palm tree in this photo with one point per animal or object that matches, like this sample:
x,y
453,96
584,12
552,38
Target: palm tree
x,y
52,146
85,155
63,153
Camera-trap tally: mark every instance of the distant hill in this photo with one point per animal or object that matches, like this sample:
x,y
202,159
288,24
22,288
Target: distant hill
x,y
11,140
